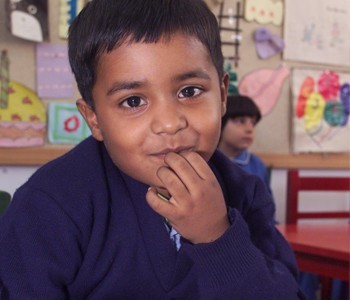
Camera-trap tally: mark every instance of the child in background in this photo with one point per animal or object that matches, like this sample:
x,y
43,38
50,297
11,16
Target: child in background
x,y
238,131
101,221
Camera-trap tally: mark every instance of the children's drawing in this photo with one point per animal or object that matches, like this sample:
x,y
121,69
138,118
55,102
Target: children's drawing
x,y
22,114
264,86
54,76
28,19
69,9
266,43
317,31
66,125
264,11
321,105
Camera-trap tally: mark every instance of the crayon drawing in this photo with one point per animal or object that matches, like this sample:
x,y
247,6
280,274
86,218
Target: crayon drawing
x,y
321,108
317,31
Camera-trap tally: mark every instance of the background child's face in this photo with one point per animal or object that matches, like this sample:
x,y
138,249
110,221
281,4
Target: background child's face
x,y
238,133
154,98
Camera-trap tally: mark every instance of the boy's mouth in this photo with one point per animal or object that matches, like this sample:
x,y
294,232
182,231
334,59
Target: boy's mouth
x,y
162,153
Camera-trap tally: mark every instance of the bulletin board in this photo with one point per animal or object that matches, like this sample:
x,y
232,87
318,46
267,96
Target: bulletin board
x,y
273,133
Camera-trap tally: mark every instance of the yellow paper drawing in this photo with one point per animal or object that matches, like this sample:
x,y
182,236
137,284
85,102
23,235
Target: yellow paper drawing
x,y
22,114
264,11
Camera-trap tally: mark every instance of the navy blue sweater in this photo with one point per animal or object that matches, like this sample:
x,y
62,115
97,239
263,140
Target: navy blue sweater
x,y
82,229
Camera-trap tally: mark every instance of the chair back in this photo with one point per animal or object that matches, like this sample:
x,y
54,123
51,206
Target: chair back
x,y
5,199
296,184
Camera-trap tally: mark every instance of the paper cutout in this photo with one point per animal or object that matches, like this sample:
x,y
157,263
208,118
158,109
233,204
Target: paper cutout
x,y
22,114
27,19
66,125
317,31
264,11
264,86
321,101
267,44
4,79
54,76
69,9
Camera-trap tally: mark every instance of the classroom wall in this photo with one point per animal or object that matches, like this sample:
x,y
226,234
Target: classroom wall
x,y
273,132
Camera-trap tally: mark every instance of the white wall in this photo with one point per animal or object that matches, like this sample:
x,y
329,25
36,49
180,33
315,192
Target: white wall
x,y
11,177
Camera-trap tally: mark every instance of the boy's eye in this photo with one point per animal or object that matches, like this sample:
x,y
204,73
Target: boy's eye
x,y
239,120
190,91
133,102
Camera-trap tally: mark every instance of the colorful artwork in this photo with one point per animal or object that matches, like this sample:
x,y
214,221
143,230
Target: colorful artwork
x,y
22,114
321,102
264,86
69,9
66,125
264,11
54,76
317,31
28,19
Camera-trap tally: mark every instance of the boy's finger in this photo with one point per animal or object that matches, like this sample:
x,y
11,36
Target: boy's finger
x,y
190,167
198,163
173,183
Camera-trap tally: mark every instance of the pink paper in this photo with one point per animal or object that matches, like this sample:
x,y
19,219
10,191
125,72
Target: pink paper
x,y
54,76
264,87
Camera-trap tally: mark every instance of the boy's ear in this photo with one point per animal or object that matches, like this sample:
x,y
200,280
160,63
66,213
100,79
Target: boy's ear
x,y
91,119
224,90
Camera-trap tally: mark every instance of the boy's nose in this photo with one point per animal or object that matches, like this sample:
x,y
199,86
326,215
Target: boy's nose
x,y
249,125
168,119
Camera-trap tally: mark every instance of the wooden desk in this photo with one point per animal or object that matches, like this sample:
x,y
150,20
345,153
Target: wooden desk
x,y
323,249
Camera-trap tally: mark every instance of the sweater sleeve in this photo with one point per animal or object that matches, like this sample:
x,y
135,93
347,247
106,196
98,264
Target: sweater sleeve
x,y
251,260
39,249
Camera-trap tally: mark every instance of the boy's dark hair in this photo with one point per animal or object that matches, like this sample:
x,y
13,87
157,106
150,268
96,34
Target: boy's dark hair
x,y
240,106
103,25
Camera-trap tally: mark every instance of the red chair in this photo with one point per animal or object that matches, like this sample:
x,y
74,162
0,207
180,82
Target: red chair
x,y
296,184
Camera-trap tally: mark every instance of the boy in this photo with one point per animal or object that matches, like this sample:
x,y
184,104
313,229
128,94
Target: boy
x,y
237,135
95,223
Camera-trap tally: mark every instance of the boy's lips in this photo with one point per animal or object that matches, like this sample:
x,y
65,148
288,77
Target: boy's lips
x,y
247,139
178,150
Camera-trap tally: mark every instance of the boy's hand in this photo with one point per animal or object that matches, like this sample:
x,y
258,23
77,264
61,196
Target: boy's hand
x,y
197,207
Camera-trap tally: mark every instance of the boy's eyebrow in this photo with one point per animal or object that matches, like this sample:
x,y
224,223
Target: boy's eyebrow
x,y
129,85
192,74
123,85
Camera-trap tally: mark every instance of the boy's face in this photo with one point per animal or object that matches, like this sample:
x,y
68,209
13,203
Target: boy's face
x,y
151,99
238,133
